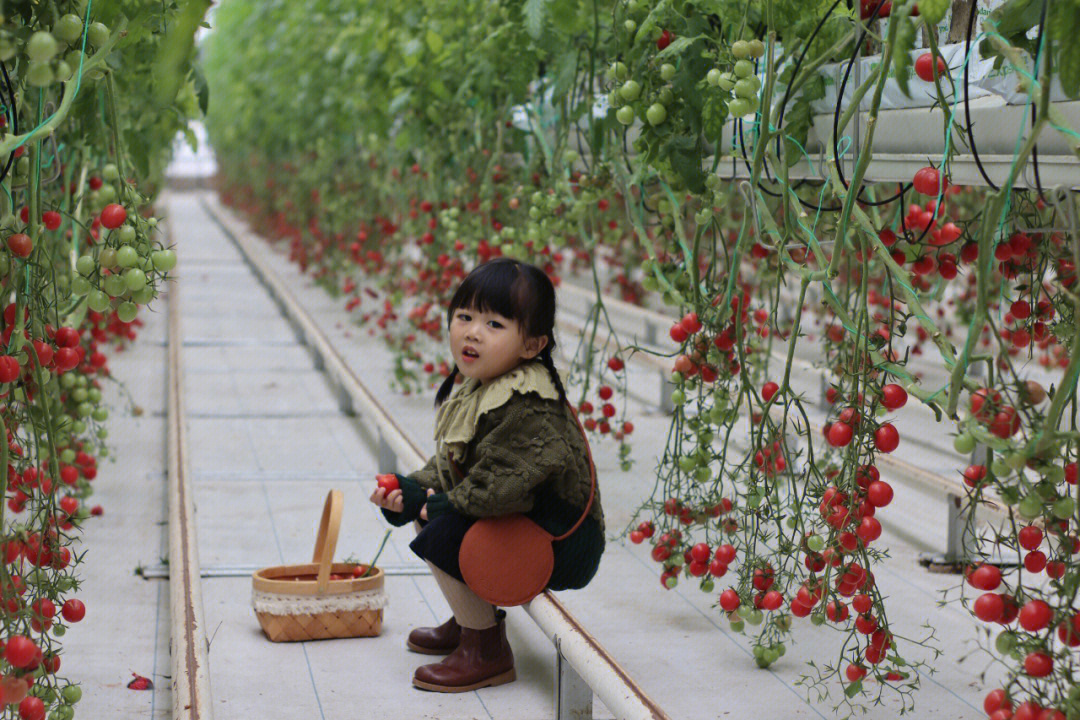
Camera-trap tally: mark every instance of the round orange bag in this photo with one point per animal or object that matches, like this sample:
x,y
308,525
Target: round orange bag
x,y
508,560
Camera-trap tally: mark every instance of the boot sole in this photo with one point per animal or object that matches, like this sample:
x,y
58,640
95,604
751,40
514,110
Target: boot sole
x,y
500,679
428,651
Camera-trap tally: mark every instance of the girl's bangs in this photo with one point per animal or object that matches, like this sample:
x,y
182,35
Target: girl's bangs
x,y
499,290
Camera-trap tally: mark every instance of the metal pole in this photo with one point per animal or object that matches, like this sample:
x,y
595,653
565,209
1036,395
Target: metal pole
x,y
573,696
387,457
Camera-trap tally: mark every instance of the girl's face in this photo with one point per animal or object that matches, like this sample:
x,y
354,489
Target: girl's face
x,y
498,343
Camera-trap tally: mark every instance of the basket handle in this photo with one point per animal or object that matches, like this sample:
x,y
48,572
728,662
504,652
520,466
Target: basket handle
x,y
326,542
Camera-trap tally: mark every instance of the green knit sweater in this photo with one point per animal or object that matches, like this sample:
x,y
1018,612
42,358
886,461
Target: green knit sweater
x,y
527,456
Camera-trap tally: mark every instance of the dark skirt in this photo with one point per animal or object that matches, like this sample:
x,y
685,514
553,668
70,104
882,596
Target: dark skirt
x,y
577,558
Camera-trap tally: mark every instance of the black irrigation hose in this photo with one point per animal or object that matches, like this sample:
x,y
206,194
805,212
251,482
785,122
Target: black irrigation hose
x,y
798,64
967,102
9,101
1035,71
836,116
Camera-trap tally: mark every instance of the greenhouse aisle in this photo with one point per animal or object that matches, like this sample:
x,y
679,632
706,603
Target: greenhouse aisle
x,y
672,643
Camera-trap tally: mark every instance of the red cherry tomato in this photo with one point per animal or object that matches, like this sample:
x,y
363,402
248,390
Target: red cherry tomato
x,y
388,482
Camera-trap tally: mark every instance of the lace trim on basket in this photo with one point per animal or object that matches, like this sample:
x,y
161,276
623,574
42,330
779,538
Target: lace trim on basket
x,y
279,604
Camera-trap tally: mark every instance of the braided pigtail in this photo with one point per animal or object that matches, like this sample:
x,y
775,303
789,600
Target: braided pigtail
x,y
446,387
545,358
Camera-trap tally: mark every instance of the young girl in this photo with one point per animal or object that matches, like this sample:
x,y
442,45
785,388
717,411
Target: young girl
x,y
519,448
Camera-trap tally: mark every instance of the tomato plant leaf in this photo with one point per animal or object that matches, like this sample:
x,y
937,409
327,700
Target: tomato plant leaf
x,y
905,42
535,14
933,11
1064,28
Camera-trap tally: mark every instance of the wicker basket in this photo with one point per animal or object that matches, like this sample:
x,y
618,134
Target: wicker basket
x,y
302,602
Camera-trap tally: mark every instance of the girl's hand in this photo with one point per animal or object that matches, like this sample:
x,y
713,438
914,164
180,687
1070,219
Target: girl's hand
x,y
392,501
423,510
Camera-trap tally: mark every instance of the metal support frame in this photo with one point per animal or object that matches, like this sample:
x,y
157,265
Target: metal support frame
x,y
387,457
665,405
573,698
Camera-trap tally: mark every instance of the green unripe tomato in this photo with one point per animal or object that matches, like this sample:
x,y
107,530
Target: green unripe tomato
x,y
727,81
757,48
656,114
1000,468
107,258
134,279
67,381
80,286
127,256
740,49
703,474
62,71
85,265
713,77
114,285
79,395
667,71
771,655
745,89
1064,508
630,26
68,28
67,455
74,59
22,165
39,74
97,34
1046,491
630,90
1030,507
791,522
739,107
744,68
41,47
5,264
665,96
110,172
677,397
1005,642
625,115
143,296
621,72
127,311
102,433
707,585
736,624
100,414
816,543
963,444
126,233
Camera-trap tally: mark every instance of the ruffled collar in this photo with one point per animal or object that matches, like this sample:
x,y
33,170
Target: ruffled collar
x,y
459,415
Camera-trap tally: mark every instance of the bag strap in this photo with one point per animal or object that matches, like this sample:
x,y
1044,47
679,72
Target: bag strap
x,y
592,476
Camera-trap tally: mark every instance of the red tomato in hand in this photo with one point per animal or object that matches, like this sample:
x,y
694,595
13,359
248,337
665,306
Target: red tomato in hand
x,y
388,482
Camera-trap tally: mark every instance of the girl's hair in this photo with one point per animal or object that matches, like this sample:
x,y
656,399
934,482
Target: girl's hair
x,y
518,291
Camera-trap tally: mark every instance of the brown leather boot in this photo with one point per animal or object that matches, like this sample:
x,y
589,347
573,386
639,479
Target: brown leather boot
x,y
482,659
435,640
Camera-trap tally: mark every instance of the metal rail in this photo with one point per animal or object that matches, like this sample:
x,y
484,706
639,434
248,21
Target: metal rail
x,y
582,666
188,644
